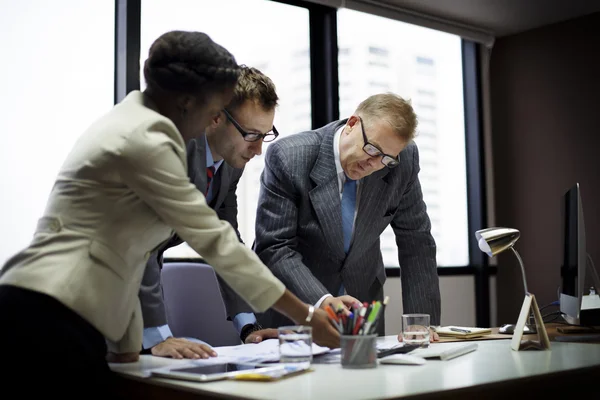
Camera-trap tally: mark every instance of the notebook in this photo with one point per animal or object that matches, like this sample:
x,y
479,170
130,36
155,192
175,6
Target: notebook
x,y
462,331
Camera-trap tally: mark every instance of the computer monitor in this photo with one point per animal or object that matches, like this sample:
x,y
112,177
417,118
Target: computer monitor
x,y
574,255
579,304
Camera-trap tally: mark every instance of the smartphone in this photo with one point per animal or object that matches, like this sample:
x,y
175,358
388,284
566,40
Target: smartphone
x,y
212,372
405,349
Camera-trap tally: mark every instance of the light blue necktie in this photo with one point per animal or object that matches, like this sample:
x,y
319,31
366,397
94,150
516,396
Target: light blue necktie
x,y
348,207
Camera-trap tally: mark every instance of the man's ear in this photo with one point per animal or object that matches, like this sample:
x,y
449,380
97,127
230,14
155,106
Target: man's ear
x,y
351,123
217,120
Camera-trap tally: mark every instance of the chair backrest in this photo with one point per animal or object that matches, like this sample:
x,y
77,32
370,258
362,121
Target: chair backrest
x,y
194,304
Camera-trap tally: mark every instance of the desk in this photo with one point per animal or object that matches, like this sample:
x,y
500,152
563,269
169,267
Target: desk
x,y
551,329
493,371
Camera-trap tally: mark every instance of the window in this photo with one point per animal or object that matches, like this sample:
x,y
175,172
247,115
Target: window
x,y
270,36
425,66
57,78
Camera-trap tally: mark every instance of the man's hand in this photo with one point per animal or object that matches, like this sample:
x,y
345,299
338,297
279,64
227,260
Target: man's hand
x,y
182,348
343,302
433,336
259,336
122,357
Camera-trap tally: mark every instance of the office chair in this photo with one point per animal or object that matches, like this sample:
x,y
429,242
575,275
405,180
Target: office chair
x,y
194,305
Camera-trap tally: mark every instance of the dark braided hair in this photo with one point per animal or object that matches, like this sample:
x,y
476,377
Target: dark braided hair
x,y
186,62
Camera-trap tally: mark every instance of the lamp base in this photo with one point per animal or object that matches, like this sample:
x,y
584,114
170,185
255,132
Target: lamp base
x,y
542,341
509,329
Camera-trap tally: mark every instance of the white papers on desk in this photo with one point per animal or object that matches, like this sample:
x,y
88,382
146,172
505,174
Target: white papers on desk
x,y
445,351
388,342
265,351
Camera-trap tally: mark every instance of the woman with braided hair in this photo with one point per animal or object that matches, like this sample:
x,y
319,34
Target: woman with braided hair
x,y
70,299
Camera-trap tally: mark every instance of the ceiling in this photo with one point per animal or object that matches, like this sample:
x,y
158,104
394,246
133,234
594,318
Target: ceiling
x,y
500,17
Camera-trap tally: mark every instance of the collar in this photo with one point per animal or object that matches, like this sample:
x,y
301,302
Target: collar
x,y
336,153
209,157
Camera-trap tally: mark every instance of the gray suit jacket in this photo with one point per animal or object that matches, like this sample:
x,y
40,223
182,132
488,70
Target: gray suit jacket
x,y
224,202
299,226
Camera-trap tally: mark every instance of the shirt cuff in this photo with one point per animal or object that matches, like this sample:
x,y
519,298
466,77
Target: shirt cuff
x,y
318,305
155,335
243,319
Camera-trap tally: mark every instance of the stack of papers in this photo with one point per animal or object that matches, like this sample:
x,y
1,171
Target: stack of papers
x,y
265,351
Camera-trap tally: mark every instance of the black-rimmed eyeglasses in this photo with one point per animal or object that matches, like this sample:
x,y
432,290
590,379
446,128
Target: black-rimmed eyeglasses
x,y
251,136
374,151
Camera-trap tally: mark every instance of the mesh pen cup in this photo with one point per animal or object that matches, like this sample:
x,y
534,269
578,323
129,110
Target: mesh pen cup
x,y
358,351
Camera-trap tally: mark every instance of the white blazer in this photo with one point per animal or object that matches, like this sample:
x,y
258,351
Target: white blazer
x,y
119,194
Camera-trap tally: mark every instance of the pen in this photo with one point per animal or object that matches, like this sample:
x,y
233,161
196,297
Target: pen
x,y
359,321
334,319
381,312
460,330
375,307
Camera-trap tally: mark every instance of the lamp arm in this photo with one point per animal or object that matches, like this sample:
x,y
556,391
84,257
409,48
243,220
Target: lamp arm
x,y
595,277
522,269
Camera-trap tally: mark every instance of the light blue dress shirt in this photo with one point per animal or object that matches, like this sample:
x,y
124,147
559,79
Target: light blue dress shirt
x,y
243,319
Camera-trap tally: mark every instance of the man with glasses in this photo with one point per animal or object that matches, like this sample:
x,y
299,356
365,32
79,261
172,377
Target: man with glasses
x,y
216,162
326,197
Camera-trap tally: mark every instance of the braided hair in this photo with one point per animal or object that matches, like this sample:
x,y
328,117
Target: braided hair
x,y
188,62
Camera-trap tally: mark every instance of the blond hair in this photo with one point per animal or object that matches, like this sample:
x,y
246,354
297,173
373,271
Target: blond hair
x,y
254,86
393,109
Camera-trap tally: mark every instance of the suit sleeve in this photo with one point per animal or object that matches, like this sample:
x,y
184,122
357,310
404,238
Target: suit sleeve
x,y
228,211
151,296
417,251
153,169
276,227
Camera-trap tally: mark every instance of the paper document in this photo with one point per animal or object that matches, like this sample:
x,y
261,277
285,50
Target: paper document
x,y
388,342
265,351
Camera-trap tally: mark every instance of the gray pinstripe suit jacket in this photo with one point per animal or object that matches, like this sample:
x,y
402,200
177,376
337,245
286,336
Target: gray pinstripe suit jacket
x,y
224,203
299,227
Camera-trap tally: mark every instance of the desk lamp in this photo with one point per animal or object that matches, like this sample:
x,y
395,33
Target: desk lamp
x,y
493,241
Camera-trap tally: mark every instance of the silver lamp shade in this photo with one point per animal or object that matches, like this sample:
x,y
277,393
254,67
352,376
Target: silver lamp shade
x,y
493,241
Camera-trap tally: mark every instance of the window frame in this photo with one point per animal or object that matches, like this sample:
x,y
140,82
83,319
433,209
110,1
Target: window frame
x,y
325,108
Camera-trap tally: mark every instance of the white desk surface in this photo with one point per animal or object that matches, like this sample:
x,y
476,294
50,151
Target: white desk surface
x,y
493,361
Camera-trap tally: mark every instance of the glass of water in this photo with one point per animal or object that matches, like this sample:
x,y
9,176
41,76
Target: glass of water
x,y
415,329
295,344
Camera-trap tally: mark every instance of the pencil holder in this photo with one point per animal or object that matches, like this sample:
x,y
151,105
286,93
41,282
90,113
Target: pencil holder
x,y
359,351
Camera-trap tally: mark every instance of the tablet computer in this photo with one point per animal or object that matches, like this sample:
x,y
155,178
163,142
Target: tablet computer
x,y
212,372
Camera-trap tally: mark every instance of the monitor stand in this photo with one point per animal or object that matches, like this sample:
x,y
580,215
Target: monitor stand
x,y
583,311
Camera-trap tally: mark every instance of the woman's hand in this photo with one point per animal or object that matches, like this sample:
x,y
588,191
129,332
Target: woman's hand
x,y
323,332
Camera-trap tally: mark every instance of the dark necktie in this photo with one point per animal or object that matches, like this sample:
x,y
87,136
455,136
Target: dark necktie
x,y
348,207
210,172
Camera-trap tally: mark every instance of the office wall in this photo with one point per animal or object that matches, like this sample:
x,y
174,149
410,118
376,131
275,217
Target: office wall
x,y
458,302
545,87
